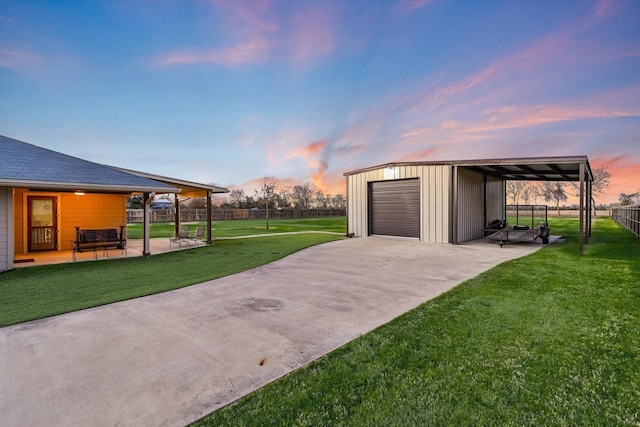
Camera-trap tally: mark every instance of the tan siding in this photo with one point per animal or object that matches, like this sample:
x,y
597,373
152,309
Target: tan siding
x,y
434,194
6,241
19,218
89,211
470,205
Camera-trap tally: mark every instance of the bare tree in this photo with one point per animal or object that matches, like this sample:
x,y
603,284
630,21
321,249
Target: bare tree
x,y
599,184
554,192
627,199
302,196
237,198
320,199
515,190
527,194
266,194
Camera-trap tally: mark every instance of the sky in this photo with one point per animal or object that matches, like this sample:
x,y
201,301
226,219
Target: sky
x,y
231,92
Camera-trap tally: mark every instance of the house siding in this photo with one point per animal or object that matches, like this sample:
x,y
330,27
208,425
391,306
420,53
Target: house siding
x,y
434,199
6,224
87,211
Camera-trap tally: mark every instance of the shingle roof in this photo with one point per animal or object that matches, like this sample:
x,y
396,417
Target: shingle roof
x,y
23,164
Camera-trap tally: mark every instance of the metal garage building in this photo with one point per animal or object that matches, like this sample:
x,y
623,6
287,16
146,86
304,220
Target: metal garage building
x,y
451,201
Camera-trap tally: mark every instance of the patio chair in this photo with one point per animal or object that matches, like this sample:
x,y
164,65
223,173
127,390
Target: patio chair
x,y
183,237
199,236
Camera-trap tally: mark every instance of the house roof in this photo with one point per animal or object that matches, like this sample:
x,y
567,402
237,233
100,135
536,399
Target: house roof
x,y
30,166
189,188
529,169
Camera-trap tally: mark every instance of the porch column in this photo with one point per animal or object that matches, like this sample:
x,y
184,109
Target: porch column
x,y
209,212
176,220
147,198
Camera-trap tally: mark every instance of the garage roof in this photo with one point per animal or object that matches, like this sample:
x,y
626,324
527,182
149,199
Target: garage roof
x,y
529,169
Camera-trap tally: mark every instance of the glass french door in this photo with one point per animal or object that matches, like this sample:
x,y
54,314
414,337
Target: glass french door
x,y
42,222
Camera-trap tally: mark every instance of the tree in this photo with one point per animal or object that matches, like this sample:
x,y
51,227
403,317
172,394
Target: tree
x,y
198,203
320,199
266,194
599,184
554,192
515,189
237,197
135,202
627,199
302,195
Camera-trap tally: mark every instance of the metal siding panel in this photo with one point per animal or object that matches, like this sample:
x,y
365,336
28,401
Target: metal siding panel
x,y
434,194
470,205
495,199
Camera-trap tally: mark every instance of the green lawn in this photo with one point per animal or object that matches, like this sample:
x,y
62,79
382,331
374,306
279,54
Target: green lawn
x,y
247,227
37,292
549,339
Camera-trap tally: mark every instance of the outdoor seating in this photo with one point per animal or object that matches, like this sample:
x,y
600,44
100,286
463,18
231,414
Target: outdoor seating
x,y
199,236
183,237
104,239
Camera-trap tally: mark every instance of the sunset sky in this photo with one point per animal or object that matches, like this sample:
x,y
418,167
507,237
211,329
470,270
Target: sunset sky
x,y
228,92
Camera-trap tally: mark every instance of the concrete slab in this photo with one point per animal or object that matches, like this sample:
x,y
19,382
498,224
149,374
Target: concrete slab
x,y
172,358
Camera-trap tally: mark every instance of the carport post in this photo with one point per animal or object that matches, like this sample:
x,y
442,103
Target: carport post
x,y
582,206
454,206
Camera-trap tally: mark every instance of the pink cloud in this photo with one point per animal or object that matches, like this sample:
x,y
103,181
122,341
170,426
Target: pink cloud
x,y
312,35
308,149
16,59
407,7
250,52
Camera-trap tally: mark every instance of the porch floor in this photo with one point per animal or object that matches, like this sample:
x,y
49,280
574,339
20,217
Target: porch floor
x,y
134,249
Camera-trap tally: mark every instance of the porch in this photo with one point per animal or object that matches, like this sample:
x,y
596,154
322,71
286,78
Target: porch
x,y
134,249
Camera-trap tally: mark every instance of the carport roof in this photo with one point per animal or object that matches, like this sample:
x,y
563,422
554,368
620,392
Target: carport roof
x,y
529,169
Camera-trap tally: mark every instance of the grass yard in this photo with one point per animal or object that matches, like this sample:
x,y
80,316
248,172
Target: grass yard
x,y
37,292
247,227
549,339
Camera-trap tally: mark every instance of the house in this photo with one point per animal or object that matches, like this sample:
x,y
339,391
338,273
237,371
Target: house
x,y
45,194
451,201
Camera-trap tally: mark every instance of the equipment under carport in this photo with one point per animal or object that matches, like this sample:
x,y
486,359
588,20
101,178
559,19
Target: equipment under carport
x,y
503,234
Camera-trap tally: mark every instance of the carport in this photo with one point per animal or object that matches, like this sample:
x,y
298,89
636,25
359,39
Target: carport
x,y
452,201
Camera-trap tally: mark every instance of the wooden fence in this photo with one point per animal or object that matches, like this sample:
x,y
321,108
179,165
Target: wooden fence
x,y
193,215
628,217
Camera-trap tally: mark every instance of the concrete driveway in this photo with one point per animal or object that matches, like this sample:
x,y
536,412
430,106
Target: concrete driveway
x,y
172,358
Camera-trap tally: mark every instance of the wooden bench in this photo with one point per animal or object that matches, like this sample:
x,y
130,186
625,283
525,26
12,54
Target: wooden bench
x,y
104,239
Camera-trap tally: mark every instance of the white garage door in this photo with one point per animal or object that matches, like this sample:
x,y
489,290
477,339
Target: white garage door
x,y
394,208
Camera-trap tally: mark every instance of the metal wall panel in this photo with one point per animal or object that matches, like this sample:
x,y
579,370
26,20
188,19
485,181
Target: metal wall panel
x,y
435,184
470,205
394,208
495,199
